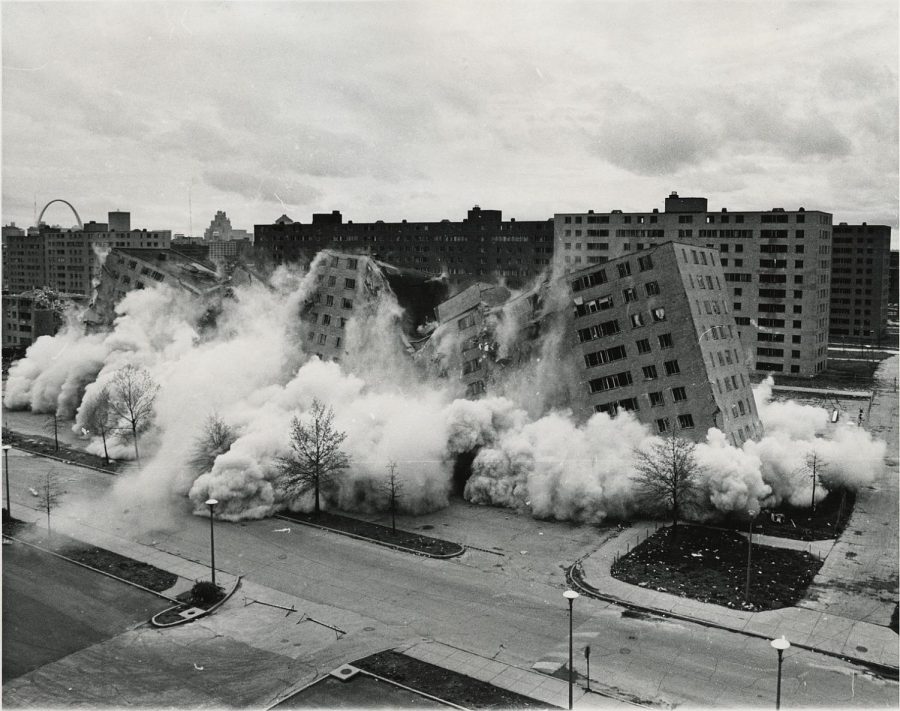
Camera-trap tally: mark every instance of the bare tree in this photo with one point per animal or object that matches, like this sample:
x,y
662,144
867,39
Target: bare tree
x,y
49,494
393,487
52,425
132,395
316,458
813,467
97,415
668,475
216,438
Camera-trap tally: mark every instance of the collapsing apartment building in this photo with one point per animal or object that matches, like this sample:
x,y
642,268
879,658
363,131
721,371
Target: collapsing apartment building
x,y
349,285
650,333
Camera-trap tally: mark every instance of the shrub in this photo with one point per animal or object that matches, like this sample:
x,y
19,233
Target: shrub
x,y
205,593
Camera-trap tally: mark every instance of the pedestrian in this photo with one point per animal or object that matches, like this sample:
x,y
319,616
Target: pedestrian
x,y
860,416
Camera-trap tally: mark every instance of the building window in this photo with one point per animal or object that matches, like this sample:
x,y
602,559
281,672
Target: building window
x,y
470,366
476,388
326,319
672,367
665,340
607,328
679,394
643,345
685,421
662,425
624,269
322,339
656,399
351,264
649,372
645,263
349,283
629,295
659,314
346,304
637,320
652,288
332,280
610,382
608,355
329,300
466,322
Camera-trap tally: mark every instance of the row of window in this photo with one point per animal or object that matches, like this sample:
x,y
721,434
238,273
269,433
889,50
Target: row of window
x,y
323,339
602,303
623,379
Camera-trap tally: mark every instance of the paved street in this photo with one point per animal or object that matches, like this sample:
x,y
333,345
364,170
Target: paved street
x,y
486,604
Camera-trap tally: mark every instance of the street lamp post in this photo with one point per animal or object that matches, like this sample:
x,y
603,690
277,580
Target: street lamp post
x,y
752,514
212,543
780,645
6,449
570,595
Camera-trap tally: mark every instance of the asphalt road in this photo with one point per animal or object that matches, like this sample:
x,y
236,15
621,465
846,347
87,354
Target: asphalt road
x,y
52,608
485,603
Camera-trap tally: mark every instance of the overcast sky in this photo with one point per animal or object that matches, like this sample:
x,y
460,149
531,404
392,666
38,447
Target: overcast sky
x,y
420,110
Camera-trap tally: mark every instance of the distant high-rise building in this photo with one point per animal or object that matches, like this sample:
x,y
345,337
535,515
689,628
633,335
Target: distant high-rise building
x,y
119,221
219,229
777,264
860,284
483,247
892,277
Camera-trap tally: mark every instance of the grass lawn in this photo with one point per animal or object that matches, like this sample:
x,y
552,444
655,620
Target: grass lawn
x,y
444,684
710,565
802,524
377,533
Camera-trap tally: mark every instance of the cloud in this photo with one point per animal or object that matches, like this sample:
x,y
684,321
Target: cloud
x,y
262,188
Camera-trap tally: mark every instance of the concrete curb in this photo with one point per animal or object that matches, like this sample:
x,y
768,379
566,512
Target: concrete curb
x,y
437,556
167,625
575,578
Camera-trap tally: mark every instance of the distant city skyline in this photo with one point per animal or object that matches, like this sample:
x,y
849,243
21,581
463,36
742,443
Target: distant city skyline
x,y
391,111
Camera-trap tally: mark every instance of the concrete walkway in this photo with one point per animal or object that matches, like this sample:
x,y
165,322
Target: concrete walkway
x,y
533,684
859,579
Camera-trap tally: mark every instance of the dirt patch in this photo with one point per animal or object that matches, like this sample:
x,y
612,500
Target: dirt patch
x,y
803,524
445,684
37,444
134,571
378,533
711,566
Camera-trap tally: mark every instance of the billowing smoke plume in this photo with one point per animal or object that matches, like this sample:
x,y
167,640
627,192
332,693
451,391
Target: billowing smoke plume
x,y
527,451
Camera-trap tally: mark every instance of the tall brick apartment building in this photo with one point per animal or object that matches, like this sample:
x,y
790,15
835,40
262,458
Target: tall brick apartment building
x,y
860,282
777,265
650,332
67,260
483,247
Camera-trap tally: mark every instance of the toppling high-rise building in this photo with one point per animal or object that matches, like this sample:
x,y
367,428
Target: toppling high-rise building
x,y
650,332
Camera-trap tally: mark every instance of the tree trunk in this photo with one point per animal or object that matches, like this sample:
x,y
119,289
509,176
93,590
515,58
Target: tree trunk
x,y
55,433
317,495
105,451
393,516
137,455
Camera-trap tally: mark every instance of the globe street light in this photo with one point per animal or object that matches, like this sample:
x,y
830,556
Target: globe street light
x,y
212,543
780,645
6,448
752,513
570,595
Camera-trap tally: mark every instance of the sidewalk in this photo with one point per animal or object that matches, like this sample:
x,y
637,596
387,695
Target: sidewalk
x,y
810,629
535,685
